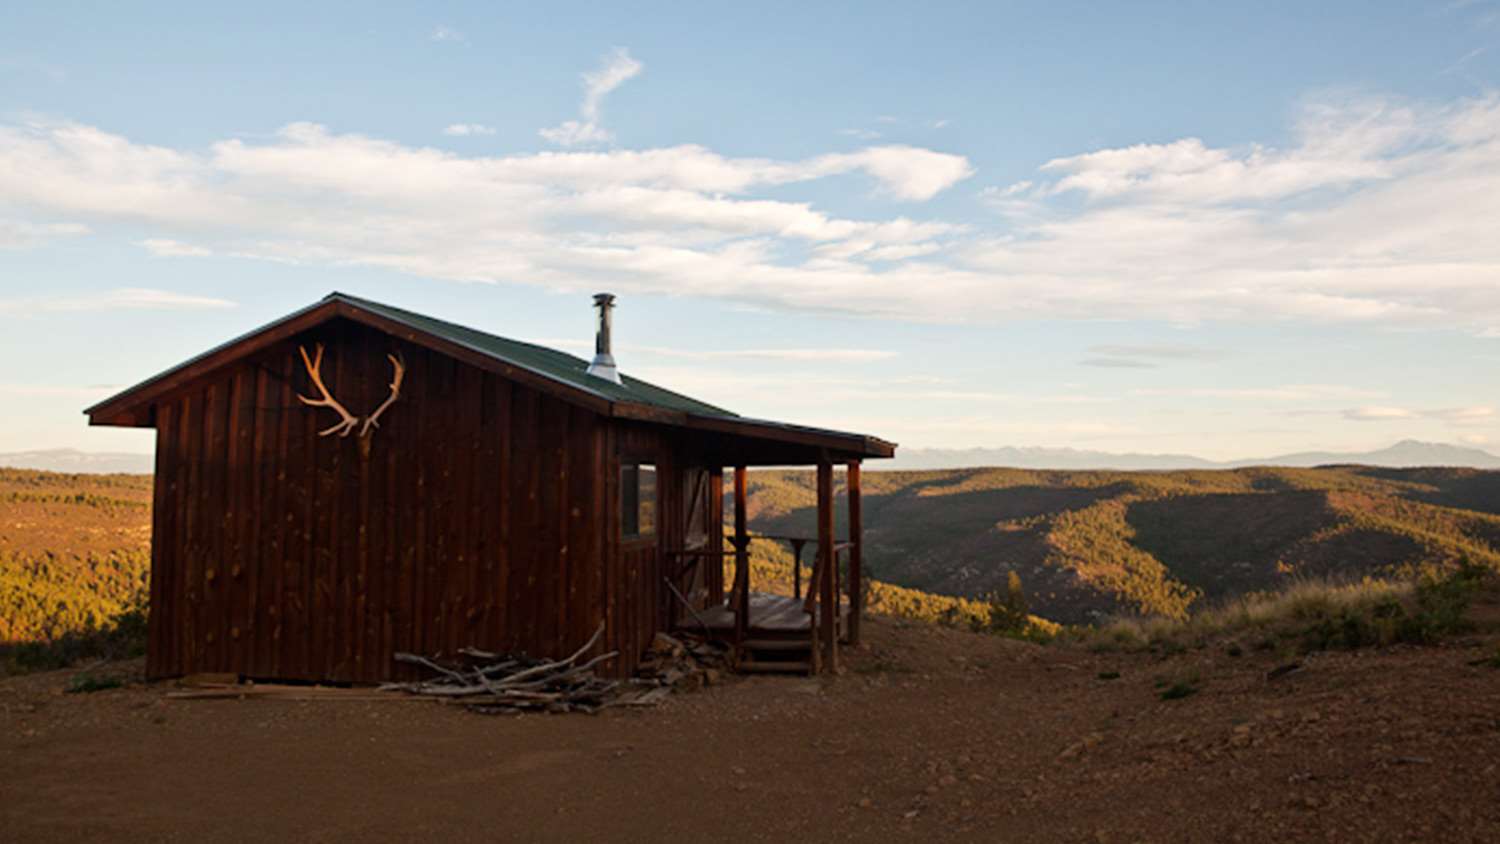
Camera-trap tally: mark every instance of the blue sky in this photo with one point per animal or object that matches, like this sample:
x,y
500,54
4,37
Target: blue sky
x,y
1226,229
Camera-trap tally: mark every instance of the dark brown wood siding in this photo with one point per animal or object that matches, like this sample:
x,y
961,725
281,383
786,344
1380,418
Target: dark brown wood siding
x,y
480,513
639,600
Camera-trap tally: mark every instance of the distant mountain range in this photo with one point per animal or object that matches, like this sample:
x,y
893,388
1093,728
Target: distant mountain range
x,y
1404,454
73,461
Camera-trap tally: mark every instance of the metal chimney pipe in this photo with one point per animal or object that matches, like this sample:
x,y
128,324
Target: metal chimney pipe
x,y
604,361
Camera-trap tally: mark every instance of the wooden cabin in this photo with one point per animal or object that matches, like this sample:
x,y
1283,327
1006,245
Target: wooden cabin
x,y
356,480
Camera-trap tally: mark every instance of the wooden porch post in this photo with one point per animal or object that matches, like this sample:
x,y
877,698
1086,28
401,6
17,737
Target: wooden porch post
x,y
856,554
827,561
741,560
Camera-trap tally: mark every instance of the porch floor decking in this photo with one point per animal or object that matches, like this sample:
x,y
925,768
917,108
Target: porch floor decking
x,y
768,613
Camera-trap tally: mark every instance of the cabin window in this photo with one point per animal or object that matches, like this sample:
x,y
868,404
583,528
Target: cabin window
x,y
637,500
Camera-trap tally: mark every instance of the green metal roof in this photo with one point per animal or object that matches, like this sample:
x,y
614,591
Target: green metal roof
x,y
132,408
550,363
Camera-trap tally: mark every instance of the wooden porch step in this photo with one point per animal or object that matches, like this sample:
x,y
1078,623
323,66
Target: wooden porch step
x,y
798,644
777,666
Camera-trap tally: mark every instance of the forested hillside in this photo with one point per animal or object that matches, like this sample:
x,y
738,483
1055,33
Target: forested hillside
x,y
1090,544
74,551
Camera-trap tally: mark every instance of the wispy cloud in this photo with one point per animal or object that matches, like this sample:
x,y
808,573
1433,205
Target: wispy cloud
x,y
1462,414
132,298
1117,363
1279,393
21,234
167,248
464,130
54,391
1378,413
1463,60
442,33
844,355
1159,352
1124,356
617,68
1451,415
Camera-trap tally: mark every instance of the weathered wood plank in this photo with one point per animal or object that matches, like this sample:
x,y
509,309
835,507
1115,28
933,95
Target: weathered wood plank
x,y
827,562
278,503
239,582
192,585
163,510
501,629
856,551
525,508
741,556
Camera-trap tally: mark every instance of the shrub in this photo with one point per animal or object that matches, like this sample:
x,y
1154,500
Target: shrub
x,y
86,682
122,637
1179,690
1008,615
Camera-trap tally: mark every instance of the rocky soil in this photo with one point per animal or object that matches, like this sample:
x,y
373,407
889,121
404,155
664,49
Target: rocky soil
x,y
928,734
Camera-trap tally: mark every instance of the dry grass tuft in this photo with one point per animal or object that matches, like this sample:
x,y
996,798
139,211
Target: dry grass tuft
x,y
1310,615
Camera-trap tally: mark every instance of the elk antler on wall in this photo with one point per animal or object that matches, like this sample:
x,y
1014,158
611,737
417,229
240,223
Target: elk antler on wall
x,y
347,420
397,376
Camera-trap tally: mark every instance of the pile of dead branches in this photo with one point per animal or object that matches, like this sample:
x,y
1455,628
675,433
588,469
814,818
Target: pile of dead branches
x,y
502,683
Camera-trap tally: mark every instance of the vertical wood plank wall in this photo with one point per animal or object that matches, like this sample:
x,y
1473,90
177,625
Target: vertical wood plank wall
x,y
480,515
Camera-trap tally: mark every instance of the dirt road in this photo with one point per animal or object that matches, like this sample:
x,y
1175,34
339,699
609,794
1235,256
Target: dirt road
x,y
930,734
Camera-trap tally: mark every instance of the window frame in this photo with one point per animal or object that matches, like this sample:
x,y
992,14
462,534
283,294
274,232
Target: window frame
x,y
647,505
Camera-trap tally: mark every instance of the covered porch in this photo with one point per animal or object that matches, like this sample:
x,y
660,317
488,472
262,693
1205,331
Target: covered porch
x,y
798,632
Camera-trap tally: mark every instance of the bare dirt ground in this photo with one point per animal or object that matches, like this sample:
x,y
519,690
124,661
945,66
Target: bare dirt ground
x,y
930,734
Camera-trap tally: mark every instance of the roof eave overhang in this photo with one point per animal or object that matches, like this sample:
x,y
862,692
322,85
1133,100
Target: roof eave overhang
x,y
842,444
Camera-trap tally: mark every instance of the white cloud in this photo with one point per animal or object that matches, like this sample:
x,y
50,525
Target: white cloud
x,y
464,130
908,173
650,218
132,298
20,234
1379,212
575,133
167,248
617,68
442,33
